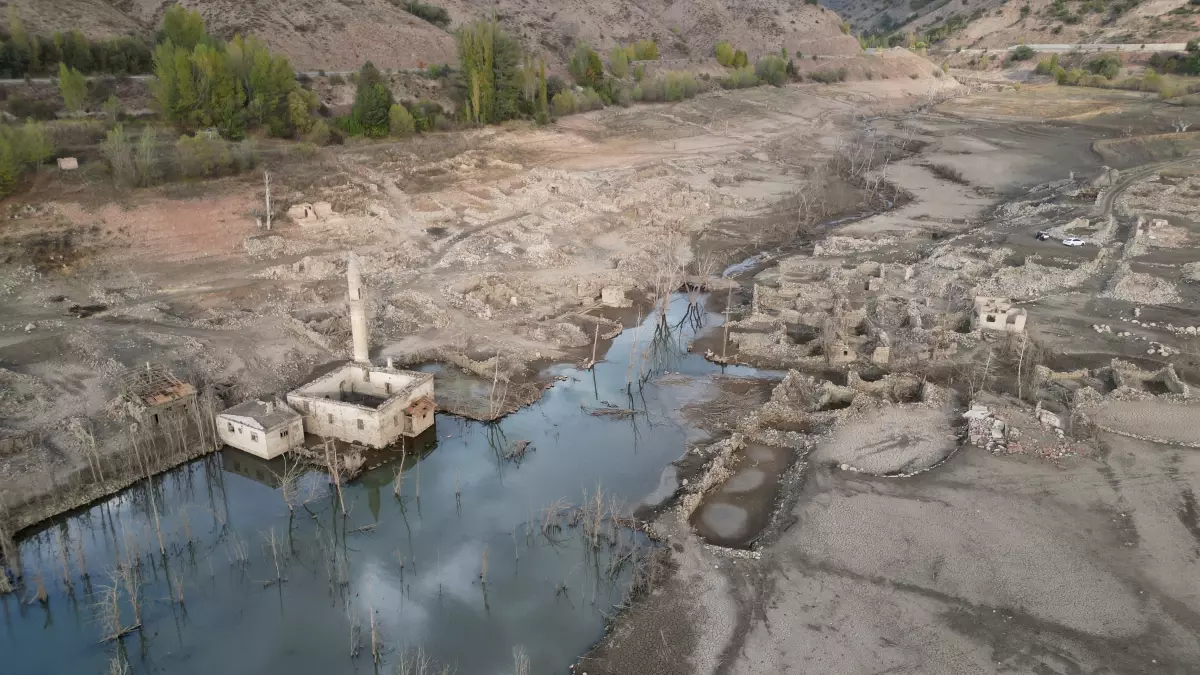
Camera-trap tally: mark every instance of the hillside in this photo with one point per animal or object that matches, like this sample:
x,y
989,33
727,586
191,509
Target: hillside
x,y
1003,23
337,35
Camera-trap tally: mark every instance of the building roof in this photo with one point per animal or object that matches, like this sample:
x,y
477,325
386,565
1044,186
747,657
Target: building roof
x,y
263,415
420,407
154,385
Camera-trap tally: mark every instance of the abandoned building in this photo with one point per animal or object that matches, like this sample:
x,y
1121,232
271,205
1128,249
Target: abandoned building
x,y
266,429
997,314
357,402
365,404
361,403
154,396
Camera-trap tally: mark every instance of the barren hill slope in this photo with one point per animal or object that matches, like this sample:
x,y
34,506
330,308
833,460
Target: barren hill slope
x,y
1004,23
342,34
682,28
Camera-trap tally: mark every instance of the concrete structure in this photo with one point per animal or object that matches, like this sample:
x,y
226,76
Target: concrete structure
x,y
266,429
362,403
614,296
997,314
154,396
358,312
365,404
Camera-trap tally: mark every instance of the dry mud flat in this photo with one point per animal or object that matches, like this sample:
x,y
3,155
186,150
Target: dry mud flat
x,y
487,251
1043,561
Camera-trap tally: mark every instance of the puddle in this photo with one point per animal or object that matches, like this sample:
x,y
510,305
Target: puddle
x,y
413,564
737,513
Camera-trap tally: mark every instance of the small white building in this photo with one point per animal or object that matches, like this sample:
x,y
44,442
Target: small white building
x,y
365,404
266,429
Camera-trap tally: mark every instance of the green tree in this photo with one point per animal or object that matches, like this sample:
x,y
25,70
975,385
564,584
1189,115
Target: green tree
x,y
118,152
301,104
267,81
146,162
372,104
73,86
183,27
488,81
36,146
400,121
19,42
618,62
585,67
724,52
112,109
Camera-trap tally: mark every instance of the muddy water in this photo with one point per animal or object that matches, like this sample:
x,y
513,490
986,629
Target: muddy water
x,y
736,513
248,586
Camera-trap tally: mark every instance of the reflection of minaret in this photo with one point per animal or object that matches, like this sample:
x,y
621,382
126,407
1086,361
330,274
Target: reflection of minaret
x,y
358,312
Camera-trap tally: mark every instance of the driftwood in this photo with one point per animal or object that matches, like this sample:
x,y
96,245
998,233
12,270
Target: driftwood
x,y
517,449
606,409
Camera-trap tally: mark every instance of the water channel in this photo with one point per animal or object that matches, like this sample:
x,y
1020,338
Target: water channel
x,y
265,589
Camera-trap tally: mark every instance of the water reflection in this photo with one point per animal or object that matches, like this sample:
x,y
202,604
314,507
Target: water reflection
x,y
470,555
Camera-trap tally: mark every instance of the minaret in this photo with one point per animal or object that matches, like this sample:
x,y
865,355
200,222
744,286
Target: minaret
x,y
358,312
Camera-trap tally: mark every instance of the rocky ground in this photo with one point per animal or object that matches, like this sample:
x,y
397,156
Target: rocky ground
x,y
1034,515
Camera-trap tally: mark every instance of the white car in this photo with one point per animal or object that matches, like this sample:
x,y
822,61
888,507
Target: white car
x,y
1072,241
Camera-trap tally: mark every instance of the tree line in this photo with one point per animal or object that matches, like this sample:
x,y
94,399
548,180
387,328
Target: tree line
x,y
201,82
23,54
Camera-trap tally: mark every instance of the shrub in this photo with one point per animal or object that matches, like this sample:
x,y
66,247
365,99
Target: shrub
x,y
24,109
1193,45
319,134
741,78
639,72
623,96
585,67
845,26
1107,65
680,86
400,121
828,76
336,80
589,99
564,104
740,60
724,53
772,69
1021,53
1047,66
618,63
554,84
645,50
435,15
426,114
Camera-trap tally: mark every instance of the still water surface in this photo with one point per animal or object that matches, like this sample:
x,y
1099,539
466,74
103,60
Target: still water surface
x,y
304,604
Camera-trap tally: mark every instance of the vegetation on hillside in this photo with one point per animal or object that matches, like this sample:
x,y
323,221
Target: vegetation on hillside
x,y
201,82
23,54
435,15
